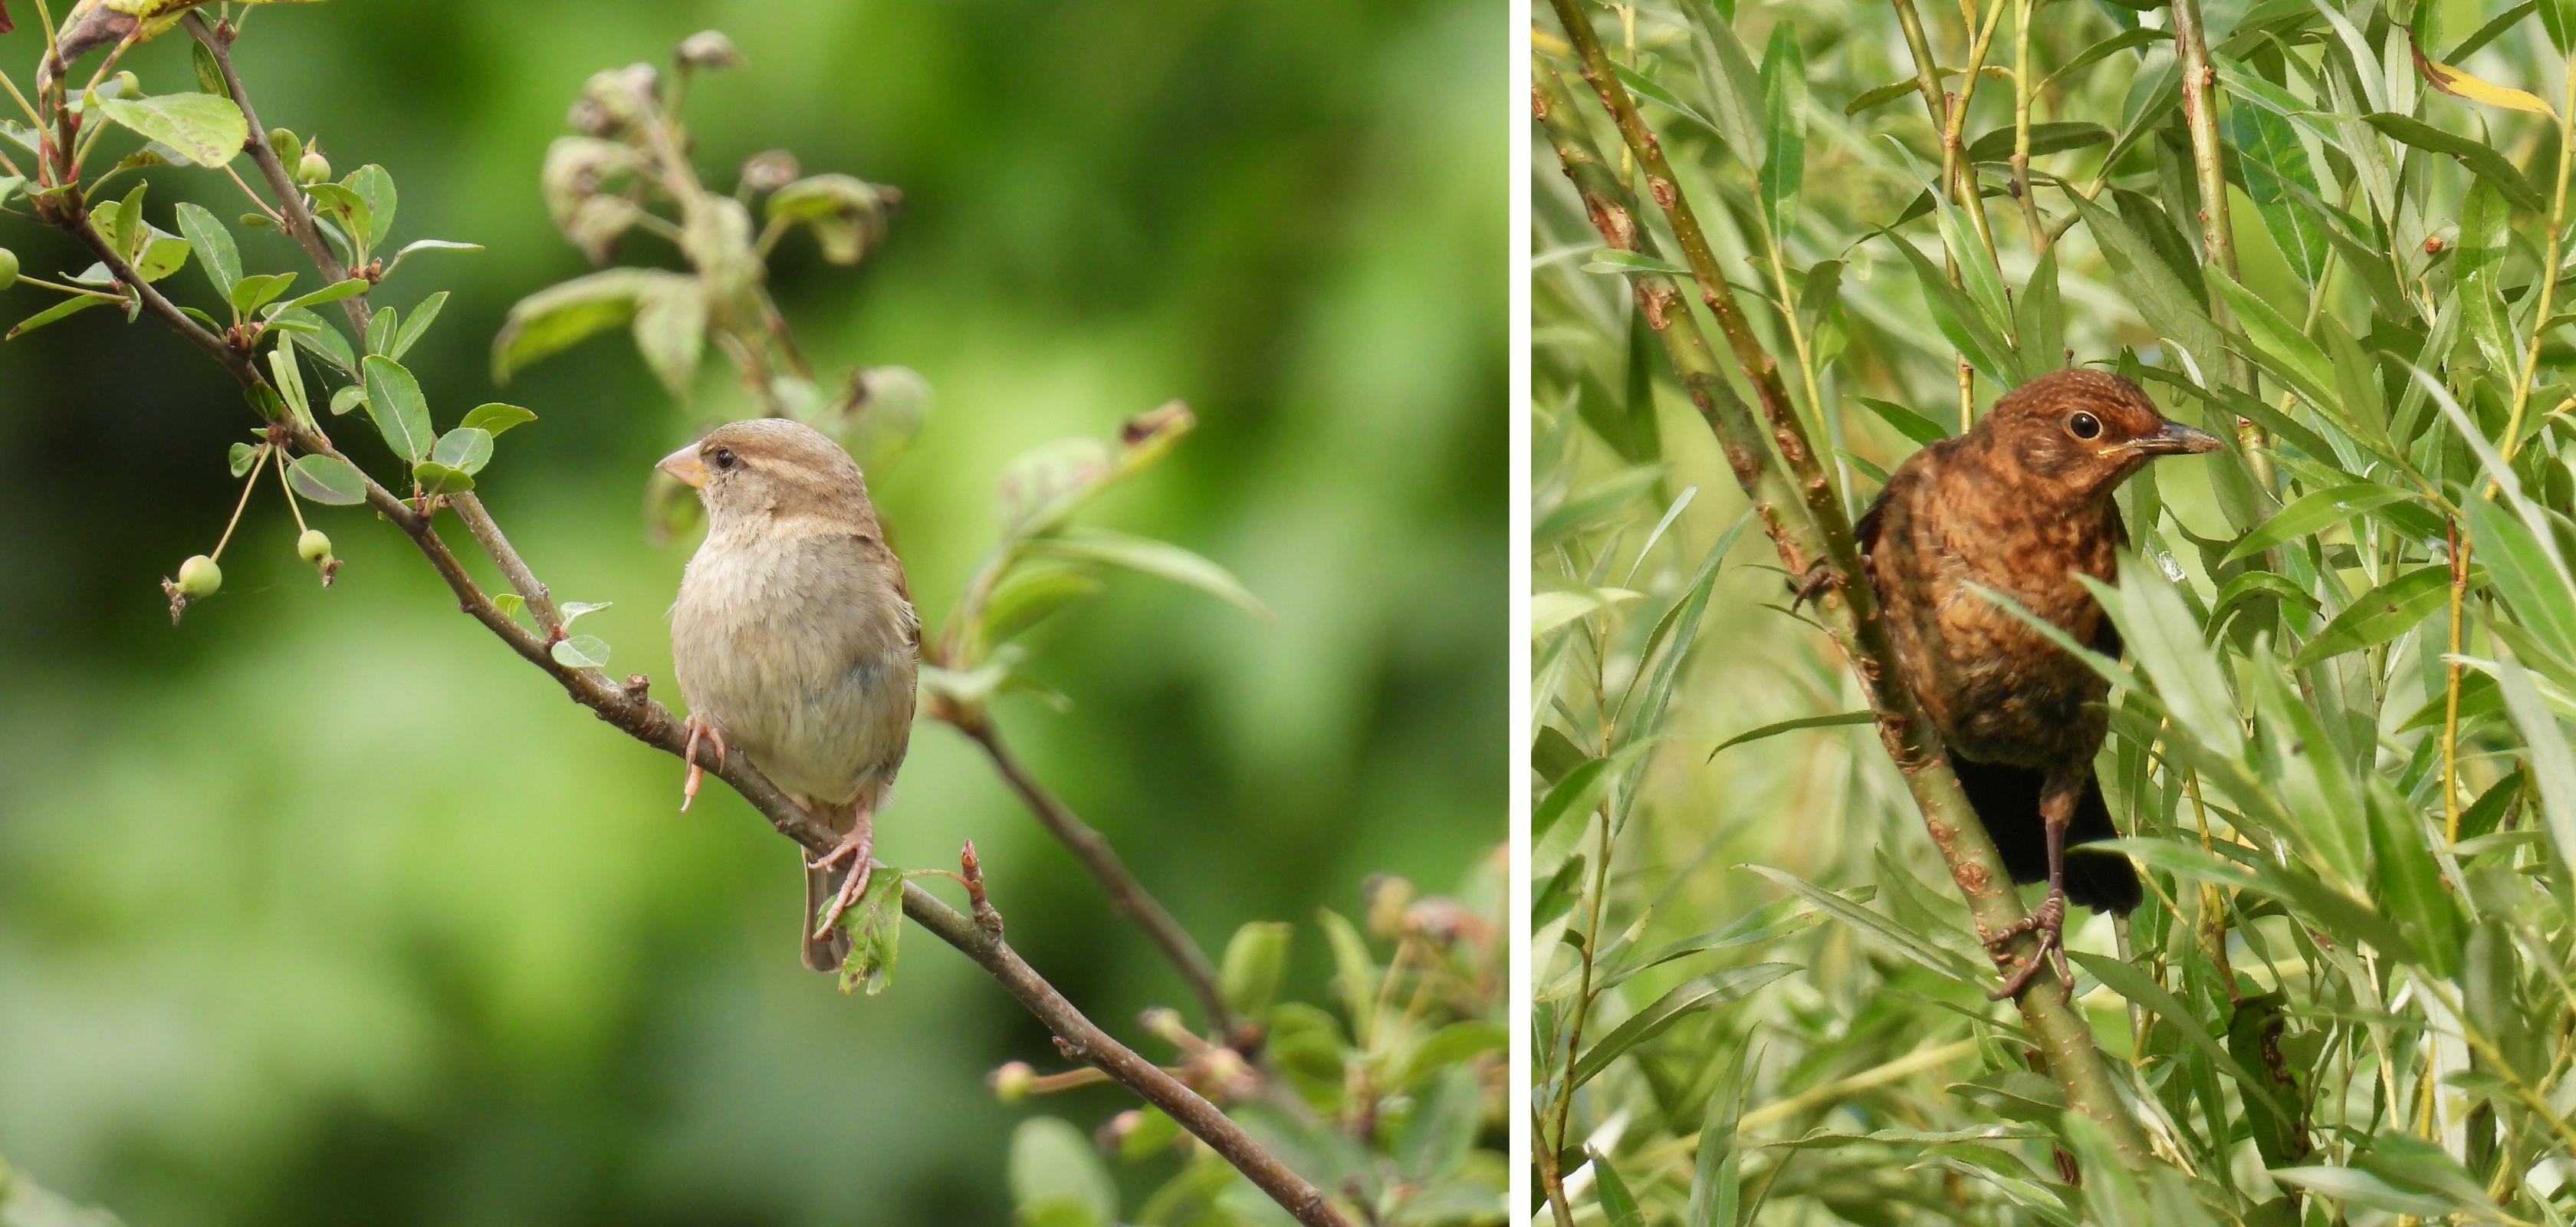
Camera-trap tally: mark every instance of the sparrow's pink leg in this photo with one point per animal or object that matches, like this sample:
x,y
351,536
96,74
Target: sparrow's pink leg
x,y
697,728
857,845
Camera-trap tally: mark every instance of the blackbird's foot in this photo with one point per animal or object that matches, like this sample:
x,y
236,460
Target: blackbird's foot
x,y
1812,585
2049,922
855,847
698,728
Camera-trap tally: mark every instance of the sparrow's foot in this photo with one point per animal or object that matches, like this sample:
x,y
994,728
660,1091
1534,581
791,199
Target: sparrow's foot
x,y
698,728
2049,922
854,847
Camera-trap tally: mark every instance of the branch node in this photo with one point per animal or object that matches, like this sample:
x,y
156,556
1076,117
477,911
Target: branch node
x,y
986,918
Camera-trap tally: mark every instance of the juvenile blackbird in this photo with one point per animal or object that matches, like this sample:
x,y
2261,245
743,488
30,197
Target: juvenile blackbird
x,y
795,641
2021,504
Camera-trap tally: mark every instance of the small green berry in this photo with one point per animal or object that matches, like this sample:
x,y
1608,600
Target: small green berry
x,y
314,168
8,268
1012,1082
313,547
200,577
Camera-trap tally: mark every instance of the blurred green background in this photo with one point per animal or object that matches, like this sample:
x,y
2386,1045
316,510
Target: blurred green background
x,y
321,908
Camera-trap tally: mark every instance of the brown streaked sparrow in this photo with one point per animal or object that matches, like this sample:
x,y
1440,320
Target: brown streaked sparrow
x,y
795,641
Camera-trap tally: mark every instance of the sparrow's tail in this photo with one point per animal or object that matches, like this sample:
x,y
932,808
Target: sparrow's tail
x,y
2006,799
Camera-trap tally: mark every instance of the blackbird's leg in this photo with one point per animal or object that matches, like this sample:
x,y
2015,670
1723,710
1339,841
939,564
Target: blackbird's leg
x,y
1811,586
2056,812
856,847
698,728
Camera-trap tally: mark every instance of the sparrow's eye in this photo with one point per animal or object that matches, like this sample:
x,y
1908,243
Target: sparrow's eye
x,y
725,459
2085,426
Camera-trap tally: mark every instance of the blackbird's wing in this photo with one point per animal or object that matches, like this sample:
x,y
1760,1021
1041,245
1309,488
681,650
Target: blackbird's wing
x,y
2106,637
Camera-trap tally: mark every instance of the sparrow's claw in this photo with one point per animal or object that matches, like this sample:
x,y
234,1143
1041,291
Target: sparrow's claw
x,y
854,847
2049,922
698,728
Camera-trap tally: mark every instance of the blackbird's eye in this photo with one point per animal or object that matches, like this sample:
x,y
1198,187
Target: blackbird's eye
x,y
725,459
2085,426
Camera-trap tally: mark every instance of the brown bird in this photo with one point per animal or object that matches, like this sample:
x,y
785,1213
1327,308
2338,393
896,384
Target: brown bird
x,y
2021,504
796,643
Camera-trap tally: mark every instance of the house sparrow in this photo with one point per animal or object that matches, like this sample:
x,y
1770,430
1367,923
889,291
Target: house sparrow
x,y
2022,505
795,641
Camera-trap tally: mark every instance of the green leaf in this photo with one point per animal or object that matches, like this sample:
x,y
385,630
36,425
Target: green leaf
x,y
1784,115
317,338
346,287
571,611
1959,320
1901,940
1705,993
1027,596
1354,972
2160,297
2382,614
1907,422
2531,581
1617,260
422,316
590,652
1645,87
1441,1132
2137,986
2039,326
1582,788
69,306
2409,882
213,246
2553,765
1997,146
494,417
426,245
290,383
328,480
2161,635
1152,557
241,456
1255,959
2481,159
671,330
346,209
1837,720
1716,1188
875,922
436,478
2273,161
555,318
464,449
1057,1179
2135,36
258,290
2314,512
376,187
2486,235
347,398
381,328
401,412
207,129
1618,1205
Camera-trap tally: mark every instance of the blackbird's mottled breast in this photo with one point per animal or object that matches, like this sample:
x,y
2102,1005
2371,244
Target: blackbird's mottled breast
x,y
1996,688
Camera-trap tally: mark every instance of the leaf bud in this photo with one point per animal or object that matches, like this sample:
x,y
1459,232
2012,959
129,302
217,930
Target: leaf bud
x,y
128,85
312,168
313,546
8,268
200,577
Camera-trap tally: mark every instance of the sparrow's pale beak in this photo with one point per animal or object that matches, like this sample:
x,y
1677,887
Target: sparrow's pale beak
x,y
684,464
2176,439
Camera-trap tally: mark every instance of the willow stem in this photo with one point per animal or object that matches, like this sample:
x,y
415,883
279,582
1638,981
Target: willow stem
x,y
2549,281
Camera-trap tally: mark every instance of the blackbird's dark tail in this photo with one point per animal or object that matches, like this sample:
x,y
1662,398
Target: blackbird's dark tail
x,y
2006,799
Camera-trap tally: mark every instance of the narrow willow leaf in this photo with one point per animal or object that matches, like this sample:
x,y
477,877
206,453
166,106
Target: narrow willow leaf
x,y
1784,126
1730,81
2313,512
1582,789
401,412
2553,765
2278,344
1960,321
1705,993
1616,260
2539,592
1907,422
2138,986
1618,1205
1645,87
1896,938
2459,83
1997,146
2159,296
2408,881
2481,159
2382,614
1837,720
2273,161
2160,633
2039,330
2135,36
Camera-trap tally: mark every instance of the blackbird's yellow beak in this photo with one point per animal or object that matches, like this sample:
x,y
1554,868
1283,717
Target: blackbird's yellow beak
x,y
684,464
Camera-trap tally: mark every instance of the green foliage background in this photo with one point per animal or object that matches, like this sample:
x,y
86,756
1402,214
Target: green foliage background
x,y
323,909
